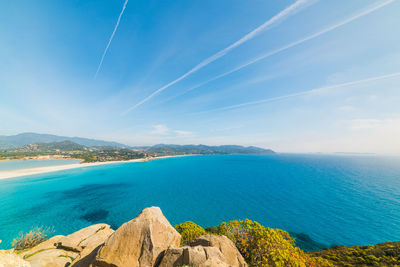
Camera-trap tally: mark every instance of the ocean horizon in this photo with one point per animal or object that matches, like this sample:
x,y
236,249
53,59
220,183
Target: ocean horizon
x,y
325,200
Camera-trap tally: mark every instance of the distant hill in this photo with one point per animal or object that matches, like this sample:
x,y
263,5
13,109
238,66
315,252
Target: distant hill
x,y
203,149
14,141
54,146
33,142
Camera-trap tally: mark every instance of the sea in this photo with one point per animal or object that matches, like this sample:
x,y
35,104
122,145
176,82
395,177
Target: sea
x,y
322,200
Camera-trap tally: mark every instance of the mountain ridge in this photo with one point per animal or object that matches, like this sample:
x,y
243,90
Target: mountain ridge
x,y
22,139
39,140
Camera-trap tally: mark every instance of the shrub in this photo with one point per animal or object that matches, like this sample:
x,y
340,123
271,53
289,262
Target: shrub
x,y
261,246
189,231
32,238
384,254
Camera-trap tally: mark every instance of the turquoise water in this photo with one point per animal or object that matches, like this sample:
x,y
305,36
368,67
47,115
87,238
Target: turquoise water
x,y
331,199
11,165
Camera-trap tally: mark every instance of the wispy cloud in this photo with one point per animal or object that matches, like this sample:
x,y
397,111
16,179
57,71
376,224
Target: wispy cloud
x,y
364,12
266,25
160,129
312,91
363,124
111,38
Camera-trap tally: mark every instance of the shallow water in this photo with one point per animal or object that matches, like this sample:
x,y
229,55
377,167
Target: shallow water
x,y
11,165
341,200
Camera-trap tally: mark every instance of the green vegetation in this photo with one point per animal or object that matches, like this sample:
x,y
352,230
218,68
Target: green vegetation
x,y
261,246
36,252
189,231
101,228
384,254
203,150
71,150
66,256
32,238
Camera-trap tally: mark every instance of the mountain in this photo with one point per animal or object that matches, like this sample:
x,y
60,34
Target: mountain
x,y
54,146
14,141
163,149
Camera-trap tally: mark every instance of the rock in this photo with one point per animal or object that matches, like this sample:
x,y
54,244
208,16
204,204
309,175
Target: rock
x,y
51,258
171,257
49,243
196,256
9,259
76,241
138,242
225,245
91,246
212,262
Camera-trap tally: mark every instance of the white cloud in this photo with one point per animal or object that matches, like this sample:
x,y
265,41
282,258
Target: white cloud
x,y
376,124
160,129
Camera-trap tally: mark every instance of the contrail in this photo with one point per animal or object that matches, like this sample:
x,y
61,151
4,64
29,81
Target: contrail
x,y
276,51
320,89
111,37
281,15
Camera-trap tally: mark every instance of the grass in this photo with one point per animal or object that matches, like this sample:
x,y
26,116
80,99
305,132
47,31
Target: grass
x,y
32,238
98,230
66,256
36,252
101,228
20,251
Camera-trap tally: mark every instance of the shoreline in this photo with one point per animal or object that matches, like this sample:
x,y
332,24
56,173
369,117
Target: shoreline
x,y
48,169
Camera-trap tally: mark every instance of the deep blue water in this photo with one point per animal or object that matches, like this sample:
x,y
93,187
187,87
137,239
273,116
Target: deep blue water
x,y
341,200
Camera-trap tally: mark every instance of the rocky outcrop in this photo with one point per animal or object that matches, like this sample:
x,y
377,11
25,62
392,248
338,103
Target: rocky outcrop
x,y
52,258
77,241
225,245
207,250
61,251
193,256
149,240
139,241
48,244
9,259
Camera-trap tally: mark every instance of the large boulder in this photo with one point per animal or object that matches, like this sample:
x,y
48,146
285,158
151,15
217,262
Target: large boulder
x,y
78,240
225,245
193,256
9,259
138,242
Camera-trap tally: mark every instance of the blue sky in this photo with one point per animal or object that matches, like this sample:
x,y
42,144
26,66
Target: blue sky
x,y
294,76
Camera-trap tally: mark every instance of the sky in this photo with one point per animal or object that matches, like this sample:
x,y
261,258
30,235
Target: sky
x,y
301,76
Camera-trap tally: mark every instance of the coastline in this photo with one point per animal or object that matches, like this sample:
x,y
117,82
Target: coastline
x,y
48,169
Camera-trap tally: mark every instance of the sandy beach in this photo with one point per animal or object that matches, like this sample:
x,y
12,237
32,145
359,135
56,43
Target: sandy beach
x,y
47,169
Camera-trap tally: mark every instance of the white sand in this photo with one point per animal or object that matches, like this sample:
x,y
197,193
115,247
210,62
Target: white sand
x,y
39,170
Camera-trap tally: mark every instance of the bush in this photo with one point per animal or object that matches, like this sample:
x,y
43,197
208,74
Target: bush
x,y
34,237
189,231
261,246
384,254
